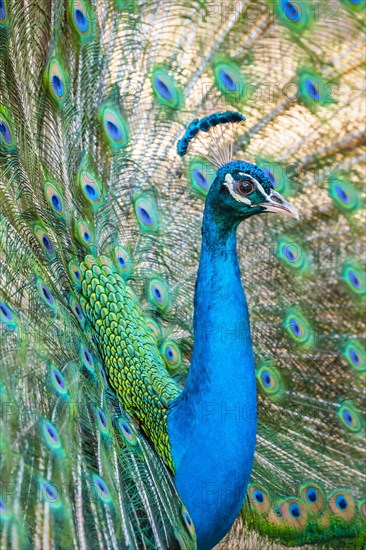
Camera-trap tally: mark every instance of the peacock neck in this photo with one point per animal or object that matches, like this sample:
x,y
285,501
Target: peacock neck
x,y
212,425
221,323
222,359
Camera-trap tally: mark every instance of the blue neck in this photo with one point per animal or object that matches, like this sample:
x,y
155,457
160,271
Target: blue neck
x,y
212,425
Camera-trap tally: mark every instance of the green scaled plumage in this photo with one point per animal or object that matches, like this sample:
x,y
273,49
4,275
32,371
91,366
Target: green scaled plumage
x,y
131,361
93,97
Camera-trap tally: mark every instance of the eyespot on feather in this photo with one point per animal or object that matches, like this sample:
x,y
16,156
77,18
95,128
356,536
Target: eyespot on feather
x,y
292,254
293,511
58,381
188,522
46,295
102,421
77,310
201,174
3,14
90,187
82,19
75,272
7,139
146,214
350,417
51,494
123,261
86,358
354,277
344,194
50,436
85,233
7,316
126,431
342,504
154,327
354,353
313,90
101,489
313,496
229,78
296,15
44,240
259,498
54,198
158,293
115,126
298,327
171,355
270,380
57,80
165,89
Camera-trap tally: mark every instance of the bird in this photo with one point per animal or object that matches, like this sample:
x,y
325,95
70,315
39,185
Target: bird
x,y
182,274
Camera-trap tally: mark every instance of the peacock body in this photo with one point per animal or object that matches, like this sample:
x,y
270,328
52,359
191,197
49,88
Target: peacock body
x,y
130,413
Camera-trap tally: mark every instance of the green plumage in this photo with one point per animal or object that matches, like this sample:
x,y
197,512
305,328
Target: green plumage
x,y
131,359
100,233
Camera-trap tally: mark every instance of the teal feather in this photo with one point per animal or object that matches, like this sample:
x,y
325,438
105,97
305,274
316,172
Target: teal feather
x,y
93,99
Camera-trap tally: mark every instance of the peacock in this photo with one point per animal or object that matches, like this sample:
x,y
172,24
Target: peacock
x,y
167,168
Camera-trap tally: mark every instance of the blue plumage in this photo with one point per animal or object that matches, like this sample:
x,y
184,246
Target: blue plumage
x,y
212,414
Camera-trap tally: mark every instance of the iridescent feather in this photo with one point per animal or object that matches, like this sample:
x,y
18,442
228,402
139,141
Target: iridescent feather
x,y
99,214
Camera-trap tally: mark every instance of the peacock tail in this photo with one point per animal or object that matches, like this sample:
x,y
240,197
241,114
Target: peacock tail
x,y
100,241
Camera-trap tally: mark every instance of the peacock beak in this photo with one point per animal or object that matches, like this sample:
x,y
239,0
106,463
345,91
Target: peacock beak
x,y
276,203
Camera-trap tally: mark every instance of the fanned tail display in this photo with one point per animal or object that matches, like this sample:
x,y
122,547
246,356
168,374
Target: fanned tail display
x,y
100,236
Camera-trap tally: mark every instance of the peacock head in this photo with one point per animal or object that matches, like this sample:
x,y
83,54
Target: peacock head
x,y
239,189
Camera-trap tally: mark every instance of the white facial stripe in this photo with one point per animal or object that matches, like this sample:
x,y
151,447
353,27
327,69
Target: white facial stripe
x,y
229,180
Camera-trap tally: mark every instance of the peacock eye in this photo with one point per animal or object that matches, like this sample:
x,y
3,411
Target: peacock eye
x,y
245,186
